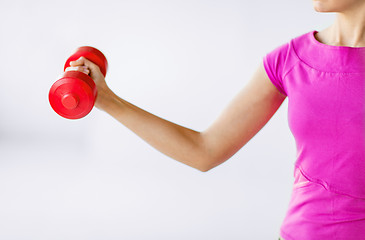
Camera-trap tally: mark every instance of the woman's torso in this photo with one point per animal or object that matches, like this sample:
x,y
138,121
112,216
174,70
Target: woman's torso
x,y
325,86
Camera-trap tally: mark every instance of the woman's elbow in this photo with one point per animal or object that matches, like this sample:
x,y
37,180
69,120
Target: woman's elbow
x,y
204,169
209,163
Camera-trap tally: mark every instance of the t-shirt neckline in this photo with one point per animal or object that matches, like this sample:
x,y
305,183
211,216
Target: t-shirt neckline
x,y
323,45
328,58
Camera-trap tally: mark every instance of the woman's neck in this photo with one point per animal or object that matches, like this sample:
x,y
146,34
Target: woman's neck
x,y
348,29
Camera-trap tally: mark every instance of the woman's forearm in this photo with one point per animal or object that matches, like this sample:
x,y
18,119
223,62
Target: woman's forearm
x,y
180,143
242,119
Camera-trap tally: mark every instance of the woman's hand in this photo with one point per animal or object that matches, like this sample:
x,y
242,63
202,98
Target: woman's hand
x,y
86,66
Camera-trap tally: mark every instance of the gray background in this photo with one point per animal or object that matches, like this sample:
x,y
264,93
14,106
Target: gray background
x,y
181,60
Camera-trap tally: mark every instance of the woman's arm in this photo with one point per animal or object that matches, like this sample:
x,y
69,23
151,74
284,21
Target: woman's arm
x,y
248,112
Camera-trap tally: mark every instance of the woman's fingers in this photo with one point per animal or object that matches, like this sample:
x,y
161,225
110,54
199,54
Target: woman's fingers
x,y
83,69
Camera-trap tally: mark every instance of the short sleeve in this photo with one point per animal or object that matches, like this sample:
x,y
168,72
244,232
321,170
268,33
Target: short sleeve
x,y
274,64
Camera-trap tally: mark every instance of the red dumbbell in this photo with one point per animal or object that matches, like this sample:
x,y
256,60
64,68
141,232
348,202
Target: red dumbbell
x,y
73,96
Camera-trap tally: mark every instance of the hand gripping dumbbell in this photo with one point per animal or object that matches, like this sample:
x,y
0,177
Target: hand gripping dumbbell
x,y
73,95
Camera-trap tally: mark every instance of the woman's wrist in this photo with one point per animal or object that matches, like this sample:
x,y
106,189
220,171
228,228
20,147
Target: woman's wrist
x,y
104,99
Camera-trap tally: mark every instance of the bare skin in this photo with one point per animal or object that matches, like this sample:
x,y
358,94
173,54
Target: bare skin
x,y
247,113
348,28
242,119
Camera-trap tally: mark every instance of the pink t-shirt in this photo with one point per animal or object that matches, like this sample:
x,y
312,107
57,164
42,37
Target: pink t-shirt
x,y
325,86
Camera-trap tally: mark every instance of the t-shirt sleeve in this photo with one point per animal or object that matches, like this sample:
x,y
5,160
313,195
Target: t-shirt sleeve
x,y
274,63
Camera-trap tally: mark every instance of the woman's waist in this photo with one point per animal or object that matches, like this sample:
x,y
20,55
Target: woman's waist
x,y
342,178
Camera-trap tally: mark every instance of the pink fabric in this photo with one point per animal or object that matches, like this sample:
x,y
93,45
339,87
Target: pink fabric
x,y
325,86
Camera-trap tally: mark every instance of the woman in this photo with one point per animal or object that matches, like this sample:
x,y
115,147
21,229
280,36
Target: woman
x,y
323,76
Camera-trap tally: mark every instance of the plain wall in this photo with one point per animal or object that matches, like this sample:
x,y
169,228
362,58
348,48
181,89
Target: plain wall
x,y
184,61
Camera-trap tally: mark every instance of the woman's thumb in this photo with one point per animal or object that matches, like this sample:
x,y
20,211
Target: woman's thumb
x,y
78,62
83,61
